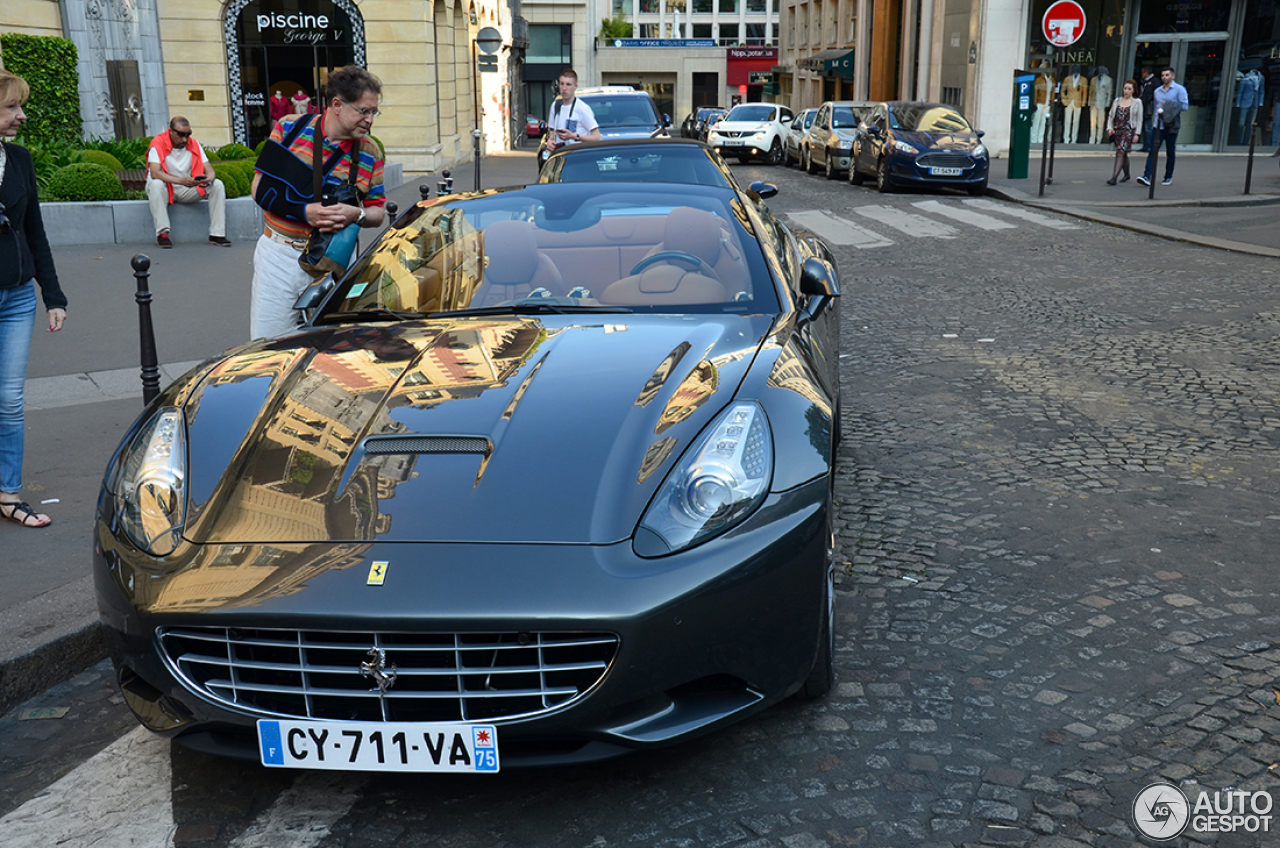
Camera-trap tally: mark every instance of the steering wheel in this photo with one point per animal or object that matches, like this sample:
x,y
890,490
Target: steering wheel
x,y
677,256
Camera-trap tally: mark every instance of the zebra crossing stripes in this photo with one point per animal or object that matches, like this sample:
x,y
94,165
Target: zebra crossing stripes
x,y
1021,214
963,215
838,230
923,222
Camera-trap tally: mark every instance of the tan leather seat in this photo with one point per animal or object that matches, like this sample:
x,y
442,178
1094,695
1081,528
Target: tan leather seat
x,y
514,266
691,231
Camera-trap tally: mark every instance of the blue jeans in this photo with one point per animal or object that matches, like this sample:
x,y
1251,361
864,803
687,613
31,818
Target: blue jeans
x,y
1167,138
17,314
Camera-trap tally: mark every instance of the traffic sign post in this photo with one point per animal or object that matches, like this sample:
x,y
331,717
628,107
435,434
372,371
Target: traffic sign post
x,y
1063,24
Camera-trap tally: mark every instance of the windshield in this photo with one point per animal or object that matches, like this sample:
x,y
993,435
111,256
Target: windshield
x,y
572,247
927,118
672,163
846,117
707,114
751,112
615,111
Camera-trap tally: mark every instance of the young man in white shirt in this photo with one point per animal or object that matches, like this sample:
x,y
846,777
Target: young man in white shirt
x,y
571,121
178,171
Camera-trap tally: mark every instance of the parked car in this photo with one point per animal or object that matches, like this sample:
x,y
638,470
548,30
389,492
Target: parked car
x,y
829,143
907,143
621,111
751,131
707,116
670,160
532,126
793,141
546,478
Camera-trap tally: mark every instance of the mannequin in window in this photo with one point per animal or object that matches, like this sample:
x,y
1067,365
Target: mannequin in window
x,y
1075,96
1101,91
1249,91
279,106
300,104
1044,94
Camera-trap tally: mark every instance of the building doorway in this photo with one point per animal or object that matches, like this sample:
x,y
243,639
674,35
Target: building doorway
x,y
1198,61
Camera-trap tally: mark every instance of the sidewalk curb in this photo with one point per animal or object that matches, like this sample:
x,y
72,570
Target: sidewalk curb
x,y
1089,212
28,675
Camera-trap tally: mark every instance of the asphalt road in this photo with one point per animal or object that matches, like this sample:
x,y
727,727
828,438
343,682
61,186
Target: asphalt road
x,y
1057,533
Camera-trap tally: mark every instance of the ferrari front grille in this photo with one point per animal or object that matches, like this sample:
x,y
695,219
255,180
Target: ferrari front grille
x,y
433,676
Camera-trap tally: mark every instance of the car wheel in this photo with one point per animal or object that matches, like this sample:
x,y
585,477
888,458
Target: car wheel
x,y
823,675
882,177
978,190
855,176
775,153
808,161
832,173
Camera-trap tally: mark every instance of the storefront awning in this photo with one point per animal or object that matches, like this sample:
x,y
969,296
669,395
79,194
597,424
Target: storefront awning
x,y
837,62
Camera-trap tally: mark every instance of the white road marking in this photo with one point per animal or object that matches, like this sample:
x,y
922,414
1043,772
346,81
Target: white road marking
x,y
1015,211
964,216
837,230
913,225
120,797
304,813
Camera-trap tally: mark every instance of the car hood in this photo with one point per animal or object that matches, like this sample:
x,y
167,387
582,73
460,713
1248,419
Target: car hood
x,y
922,141
508,429
845,135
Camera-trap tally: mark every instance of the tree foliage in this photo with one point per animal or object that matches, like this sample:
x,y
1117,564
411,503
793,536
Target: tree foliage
x,y
615,28
48,64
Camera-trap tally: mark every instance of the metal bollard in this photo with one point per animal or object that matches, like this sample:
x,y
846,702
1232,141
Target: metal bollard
x,y
425,191
1248,170
150,364
392,208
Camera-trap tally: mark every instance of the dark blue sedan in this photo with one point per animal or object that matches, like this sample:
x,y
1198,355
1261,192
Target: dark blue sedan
x,y
908,143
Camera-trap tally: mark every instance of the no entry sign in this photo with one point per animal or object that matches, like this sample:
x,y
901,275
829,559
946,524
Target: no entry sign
x,y
1064,23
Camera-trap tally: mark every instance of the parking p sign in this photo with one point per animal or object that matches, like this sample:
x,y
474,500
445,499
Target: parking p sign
x,y
1063,23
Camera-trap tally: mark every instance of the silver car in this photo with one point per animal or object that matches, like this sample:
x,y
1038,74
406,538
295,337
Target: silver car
x,y
829,143
793,142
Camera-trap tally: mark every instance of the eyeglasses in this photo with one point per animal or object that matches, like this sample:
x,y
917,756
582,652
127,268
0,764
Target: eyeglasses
x,y
186,134
371,112
5,226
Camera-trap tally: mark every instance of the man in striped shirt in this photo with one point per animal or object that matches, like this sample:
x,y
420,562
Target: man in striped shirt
x,y
343,129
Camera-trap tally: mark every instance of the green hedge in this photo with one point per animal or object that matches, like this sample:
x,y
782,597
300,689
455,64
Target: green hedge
x,y
48,64
233,151
103,158
132,152
85,182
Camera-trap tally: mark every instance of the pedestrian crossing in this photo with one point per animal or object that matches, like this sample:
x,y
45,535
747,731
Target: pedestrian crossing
x,y
878,225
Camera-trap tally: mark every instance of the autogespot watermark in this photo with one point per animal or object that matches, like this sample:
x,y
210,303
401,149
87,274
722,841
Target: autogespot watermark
x,y
1163,811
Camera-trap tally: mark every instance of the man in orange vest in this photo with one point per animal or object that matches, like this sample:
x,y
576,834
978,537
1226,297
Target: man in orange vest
x,y
178,171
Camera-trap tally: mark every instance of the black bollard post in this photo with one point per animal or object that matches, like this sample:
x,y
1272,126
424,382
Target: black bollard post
x,y
150,367
425,191
1248,169
392,208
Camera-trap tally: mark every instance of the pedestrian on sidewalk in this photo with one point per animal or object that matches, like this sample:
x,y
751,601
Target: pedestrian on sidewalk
x,y
1124,127
179,171
1147,94
286,170
25,259
1171,101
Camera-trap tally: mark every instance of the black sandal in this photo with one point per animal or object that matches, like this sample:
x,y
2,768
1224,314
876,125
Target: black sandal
x,y
21,513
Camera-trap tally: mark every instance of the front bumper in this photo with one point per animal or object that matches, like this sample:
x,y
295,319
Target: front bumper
x,y
908,170
704,637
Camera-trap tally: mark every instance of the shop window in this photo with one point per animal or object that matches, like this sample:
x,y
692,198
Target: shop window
x,y
550,44
1160,16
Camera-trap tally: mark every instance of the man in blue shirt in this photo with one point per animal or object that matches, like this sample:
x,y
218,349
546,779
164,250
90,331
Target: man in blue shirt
x,y
1171,101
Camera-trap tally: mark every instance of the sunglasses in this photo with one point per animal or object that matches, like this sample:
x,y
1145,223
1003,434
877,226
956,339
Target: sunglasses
x,y
186,134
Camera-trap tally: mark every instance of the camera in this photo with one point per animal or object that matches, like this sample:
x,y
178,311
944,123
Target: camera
x,y
344,194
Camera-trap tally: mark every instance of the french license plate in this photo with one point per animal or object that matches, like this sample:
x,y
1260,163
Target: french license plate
x,y
378,746
945,172
733,142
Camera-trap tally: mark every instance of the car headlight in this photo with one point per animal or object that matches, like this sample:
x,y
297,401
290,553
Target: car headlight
x,y
979,152
721,478
152,488
905,148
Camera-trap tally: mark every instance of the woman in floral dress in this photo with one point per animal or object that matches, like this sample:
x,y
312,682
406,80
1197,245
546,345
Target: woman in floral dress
x,y
1124,128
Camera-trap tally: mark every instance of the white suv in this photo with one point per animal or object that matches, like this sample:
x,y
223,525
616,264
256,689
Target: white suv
x,y
752,130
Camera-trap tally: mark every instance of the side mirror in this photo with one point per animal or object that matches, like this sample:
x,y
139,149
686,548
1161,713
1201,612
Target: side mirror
x,y
980,133
762,189
313,295
873,130
542,127
818,280
666,119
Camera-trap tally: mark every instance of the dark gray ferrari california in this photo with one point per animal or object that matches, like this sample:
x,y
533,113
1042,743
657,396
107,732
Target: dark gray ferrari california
x,y
546,477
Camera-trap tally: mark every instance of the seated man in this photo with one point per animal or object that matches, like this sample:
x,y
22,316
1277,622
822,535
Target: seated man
x,y
178,171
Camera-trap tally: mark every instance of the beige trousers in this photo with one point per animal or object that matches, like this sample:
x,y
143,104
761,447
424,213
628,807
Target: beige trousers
x,y
158,198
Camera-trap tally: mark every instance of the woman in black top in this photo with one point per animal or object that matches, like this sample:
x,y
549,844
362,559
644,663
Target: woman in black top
x,y
24,257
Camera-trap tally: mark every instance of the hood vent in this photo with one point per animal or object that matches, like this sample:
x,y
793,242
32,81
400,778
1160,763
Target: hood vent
x,y
378,445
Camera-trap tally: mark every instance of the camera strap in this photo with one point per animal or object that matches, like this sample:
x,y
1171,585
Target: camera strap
x,y
317,145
